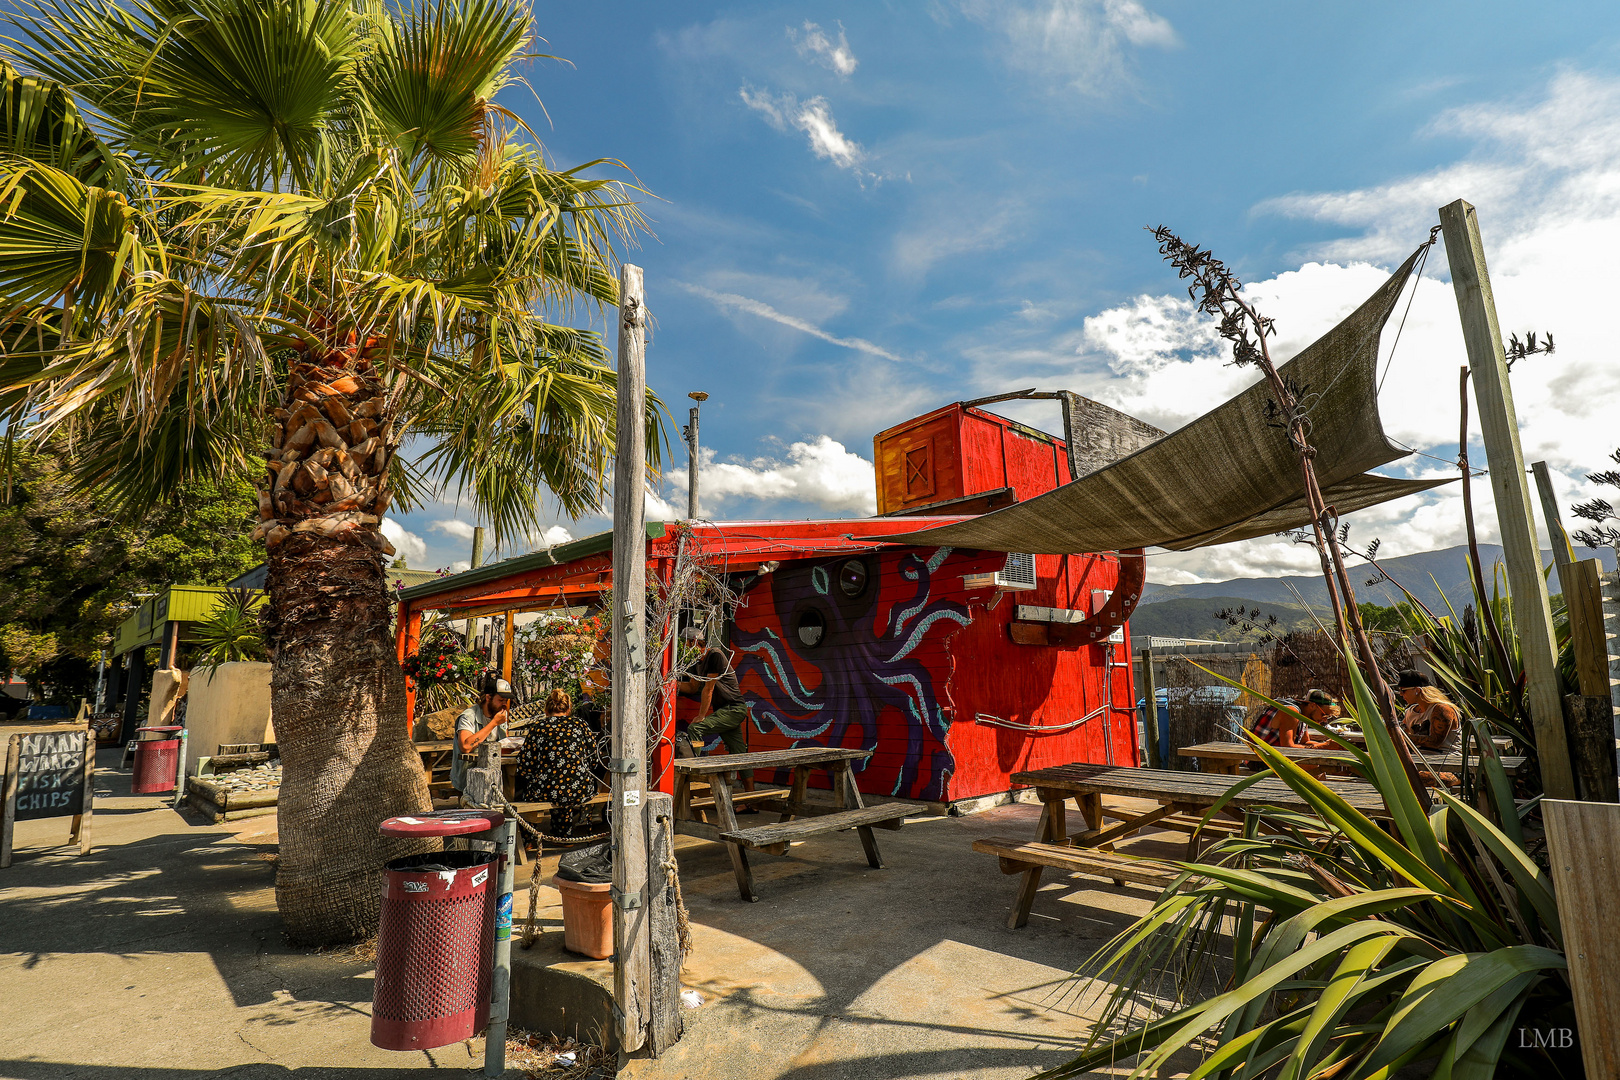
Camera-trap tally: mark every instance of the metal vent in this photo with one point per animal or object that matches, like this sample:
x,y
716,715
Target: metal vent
x,y
1018,573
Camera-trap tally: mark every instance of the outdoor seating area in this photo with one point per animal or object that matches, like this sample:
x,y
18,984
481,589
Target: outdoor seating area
x,y
704,541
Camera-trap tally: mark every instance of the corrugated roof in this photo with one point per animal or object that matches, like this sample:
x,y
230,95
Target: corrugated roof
x,y
535,560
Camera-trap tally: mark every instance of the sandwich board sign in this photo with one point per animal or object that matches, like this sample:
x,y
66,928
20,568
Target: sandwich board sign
x,y
49,773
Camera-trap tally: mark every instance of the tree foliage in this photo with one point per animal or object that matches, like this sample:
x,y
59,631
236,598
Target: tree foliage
x,y
71,568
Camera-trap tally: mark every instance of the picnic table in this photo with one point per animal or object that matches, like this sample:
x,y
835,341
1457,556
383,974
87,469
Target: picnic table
x,y
1229,757
1183,798
799,819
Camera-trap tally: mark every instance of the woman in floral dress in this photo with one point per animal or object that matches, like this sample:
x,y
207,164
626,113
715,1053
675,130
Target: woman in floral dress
x,y
554,765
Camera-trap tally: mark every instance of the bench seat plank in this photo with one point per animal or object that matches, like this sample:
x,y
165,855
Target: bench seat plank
x,y
774,839
768,759
1019,855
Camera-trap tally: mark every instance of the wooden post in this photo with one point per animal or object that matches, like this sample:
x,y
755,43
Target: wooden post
x,y
507,644
81,820
1150,724
1583,845
8,799
408,638
1563,553
1592,710
1583,596
632,973
1520,549
470,625
663,906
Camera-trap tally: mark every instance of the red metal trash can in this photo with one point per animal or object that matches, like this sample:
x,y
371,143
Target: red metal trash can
x,y
157,760
435,937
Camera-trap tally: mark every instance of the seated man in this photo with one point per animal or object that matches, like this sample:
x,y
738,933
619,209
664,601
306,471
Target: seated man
x,y
721,708
1277,728
477,727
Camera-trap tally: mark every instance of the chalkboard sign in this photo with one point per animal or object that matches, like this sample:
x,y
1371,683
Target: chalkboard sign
x,y
49,774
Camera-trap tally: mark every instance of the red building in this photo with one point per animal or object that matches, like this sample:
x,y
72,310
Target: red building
x,y
956,668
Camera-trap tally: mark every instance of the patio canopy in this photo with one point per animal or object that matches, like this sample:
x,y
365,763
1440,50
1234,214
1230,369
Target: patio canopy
x,y
1230,474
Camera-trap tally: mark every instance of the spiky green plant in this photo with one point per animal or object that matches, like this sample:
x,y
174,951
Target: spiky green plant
x,y
1354,949
231,633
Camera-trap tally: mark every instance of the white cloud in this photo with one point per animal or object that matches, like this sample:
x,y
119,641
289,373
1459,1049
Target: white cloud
x,y
944,233
821,472
813,117
1078,44
459,565
407,545
455,527
554,535
814,44
1545,177
734,302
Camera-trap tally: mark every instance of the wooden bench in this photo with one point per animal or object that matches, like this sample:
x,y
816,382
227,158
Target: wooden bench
x,y
1183,798
1018,856
714,817
738,798
774,839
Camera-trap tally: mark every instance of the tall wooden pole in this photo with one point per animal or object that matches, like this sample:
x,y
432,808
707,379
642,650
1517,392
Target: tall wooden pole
x,y
1563,553
632,973
1499,428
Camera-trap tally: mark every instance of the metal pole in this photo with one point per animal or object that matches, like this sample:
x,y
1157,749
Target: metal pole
x,y
101,679
180,772
1499,427
500,1000
1150,719
691,434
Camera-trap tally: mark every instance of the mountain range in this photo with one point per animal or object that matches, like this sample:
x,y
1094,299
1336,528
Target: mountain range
x,y
1189,610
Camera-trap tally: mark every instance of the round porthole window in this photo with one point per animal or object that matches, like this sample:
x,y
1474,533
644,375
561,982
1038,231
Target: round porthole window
x,y
812,628
852,578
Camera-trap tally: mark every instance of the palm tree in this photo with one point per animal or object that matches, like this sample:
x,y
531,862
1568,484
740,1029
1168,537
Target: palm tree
x,y
288,236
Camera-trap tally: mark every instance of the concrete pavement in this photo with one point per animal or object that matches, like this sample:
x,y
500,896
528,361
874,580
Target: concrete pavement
x,y
159,955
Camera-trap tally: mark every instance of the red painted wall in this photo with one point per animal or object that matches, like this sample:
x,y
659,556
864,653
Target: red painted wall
x,y
909,665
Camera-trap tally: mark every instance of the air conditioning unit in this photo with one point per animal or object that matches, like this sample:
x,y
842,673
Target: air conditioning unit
x,y
1017,573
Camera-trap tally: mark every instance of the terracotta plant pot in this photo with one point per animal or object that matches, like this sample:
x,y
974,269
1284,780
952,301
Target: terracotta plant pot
x,y
587,912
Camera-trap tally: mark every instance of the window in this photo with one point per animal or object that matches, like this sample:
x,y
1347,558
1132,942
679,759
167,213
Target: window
x,y
852,578
812,627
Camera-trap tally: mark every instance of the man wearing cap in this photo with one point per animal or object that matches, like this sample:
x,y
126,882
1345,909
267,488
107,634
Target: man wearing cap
x,y
478,725
1277,728
721,708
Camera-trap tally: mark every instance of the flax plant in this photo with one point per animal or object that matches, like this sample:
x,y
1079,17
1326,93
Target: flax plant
x,y
1355,949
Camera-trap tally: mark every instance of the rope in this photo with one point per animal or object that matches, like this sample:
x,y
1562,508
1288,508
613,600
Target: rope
x,y
672,880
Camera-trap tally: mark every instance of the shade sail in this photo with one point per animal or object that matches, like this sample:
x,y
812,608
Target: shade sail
x,y
1228,475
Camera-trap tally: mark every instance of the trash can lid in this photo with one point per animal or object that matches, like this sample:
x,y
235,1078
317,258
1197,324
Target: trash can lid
x,y
443,823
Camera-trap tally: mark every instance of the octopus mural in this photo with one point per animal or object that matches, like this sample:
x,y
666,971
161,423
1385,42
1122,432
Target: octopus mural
x,y
848,651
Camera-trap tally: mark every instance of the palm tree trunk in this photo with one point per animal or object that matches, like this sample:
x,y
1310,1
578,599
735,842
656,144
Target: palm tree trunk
x,y
338,702
337,696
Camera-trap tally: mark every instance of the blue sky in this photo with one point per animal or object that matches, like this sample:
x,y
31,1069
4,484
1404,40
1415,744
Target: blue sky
x,y
866,211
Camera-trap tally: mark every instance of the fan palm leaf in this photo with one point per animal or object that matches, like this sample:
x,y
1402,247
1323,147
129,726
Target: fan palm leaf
x,y
300,237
